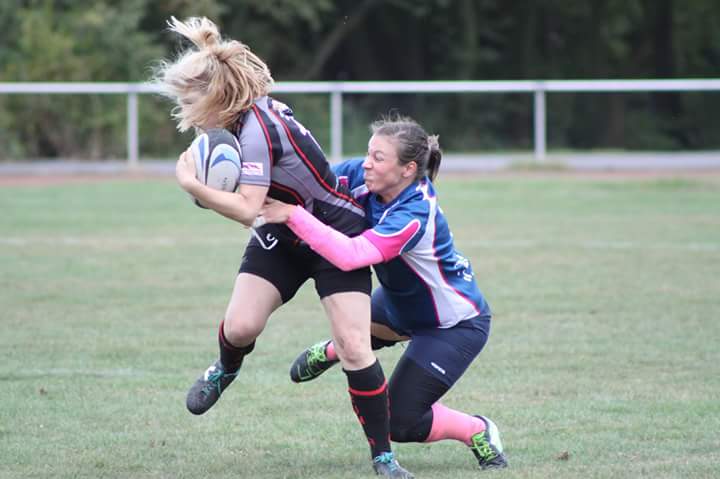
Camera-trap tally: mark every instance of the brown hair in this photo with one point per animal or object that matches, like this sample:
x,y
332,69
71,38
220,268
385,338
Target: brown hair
x,y
218,79
412,144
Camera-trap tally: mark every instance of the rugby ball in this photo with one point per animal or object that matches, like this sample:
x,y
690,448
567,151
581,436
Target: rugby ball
x,y
218,161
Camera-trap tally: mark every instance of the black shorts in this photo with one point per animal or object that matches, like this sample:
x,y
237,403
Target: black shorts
x,y
287,266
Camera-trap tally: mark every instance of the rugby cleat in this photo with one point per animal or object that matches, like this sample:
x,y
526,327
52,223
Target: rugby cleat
x,y
386,465
487,447
208,388
311,363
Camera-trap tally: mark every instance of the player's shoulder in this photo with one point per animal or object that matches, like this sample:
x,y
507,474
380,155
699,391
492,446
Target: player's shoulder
x,y
351,170
347,166
419,195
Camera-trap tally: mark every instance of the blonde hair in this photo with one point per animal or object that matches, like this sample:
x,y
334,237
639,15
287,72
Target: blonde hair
x,y
216,81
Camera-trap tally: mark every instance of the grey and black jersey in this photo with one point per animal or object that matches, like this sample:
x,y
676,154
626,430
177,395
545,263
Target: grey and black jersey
x,y
279,152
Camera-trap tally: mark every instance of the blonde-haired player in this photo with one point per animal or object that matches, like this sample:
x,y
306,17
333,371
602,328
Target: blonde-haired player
x,y
221,83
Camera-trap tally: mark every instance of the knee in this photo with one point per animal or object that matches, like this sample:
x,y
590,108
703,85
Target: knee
x,y
402,429
240,332
354,350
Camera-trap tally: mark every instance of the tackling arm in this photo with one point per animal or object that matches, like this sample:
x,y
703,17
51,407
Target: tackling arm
x,y
344,252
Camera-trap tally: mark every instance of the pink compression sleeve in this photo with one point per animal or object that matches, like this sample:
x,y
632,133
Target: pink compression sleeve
x,y
344,252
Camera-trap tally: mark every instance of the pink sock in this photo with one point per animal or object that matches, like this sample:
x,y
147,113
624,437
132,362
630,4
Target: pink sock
x,y
330,352
451,424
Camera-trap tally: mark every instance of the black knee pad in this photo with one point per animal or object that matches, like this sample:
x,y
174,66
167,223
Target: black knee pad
x,y
400,429
412,391
408,429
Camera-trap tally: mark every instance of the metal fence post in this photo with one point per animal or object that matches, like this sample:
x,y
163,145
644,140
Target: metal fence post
x,y
336,124
539,122
132,130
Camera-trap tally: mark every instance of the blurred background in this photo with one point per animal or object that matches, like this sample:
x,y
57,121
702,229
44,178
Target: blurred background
x,y
374,40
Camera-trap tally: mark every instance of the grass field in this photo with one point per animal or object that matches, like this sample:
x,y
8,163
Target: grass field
x,y
604,359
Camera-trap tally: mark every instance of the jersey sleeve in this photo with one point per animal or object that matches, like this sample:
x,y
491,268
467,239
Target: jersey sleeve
x,y
400,229
256,149
344,252
350,172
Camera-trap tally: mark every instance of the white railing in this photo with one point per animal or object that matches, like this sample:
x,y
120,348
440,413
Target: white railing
x,y
336,90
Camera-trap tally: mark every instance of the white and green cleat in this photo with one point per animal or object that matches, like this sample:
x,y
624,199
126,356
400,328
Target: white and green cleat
x,y
487,446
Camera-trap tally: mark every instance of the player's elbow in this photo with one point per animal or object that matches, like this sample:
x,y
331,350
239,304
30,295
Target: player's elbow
x,y
240,215
346,266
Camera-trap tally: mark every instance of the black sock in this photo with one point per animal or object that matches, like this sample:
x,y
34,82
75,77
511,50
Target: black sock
x,y
368,392
231,356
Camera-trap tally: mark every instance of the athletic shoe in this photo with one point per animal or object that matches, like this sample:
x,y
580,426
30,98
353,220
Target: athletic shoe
x,y
387,466
487,447
311,363
208,388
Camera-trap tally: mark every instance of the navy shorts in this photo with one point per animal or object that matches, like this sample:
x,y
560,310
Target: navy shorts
x,y
444,353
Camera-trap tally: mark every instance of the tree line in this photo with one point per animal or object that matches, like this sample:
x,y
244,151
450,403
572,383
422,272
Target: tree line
x,y
366,40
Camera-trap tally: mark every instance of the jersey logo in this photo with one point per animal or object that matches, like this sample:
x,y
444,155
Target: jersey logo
x,y
441,370
466,271
271,240
252,169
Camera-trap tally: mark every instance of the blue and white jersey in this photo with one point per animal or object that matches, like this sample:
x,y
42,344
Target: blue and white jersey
x,y
427,283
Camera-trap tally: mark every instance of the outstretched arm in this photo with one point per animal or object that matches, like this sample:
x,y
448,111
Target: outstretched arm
x,y
344,252
242,206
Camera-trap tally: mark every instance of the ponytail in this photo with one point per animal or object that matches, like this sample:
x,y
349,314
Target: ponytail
x,y
212,80
433,164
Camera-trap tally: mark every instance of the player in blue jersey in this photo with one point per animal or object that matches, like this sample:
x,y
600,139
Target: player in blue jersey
x,y
222,84
427,291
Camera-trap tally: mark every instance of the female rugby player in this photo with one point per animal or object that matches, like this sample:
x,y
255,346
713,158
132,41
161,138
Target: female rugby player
x,y
427,290
220,83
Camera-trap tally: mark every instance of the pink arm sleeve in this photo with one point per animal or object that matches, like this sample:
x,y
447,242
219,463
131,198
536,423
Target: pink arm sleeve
x,y
344,252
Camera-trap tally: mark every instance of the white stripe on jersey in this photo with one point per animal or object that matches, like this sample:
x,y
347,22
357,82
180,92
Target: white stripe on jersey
x,y
451,306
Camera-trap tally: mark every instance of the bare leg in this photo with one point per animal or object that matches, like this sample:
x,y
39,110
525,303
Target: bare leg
x,y
253,300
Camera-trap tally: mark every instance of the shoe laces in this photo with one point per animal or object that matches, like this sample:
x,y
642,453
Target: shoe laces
x,y
316,354
481,445
387,458
214,380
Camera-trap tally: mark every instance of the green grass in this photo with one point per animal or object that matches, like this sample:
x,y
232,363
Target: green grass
x,y
603,360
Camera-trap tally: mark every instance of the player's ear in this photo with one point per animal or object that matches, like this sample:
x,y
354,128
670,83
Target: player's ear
x,y
410,170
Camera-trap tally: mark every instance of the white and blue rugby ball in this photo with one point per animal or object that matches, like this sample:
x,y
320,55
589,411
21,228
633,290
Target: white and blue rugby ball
x,y
218,161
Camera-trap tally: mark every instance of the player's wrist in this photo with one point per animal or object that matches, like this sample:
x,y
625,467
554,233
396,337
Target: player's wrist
x,y
294,212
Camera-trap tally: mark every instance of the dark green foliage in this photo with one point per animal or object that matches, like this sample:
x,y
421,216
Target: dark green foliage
x,y
54,40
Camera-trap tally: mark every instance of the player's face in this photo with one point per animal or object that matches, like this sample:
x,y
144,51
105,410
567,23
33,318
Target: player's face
x,y
384,174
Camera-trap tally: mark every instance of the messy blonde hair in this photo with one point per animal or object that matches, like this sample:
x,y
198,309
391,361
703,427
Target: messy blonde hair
x,y
216,81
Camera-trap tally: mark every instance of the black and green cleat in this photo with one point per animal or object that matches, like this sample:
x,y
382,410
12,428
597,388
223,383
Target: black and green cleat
x,y
311,363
